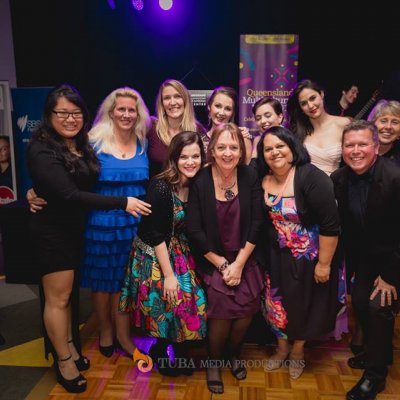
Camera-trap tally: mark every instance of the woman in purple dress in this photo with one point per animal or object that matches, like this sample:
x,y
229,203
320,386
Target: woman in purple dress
x,y
223,222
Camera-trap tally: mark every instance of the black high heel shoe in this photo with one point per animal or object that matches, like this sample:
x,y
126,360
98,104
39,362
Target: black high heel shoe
x,y
70,385
107,351
82,363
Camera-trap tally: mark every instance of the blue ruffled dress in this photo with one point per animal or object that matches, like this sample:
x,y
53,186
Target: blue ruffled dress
x,y
109,234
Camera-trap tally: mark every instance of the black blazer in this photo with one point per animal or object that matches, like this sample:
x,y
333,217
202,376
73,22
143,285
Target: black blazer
x,y
377,252
202,214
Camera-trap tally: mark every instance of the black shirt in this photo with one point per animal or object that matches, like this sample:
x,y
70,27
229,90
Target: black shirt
x,y
358,194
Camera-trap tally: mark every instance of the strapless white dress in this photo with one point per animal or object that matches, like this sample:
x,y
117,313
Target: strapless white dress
x,y
326,159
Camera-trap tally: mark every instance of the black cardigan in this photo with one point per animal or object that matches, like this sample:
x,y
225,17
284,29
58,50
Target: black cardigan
x,y
156,227
201,216
315,204
315,200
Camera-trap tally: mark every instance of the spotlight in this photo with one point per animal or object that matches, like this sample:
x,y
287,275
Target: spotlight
x,y
111,3
166,4
137,5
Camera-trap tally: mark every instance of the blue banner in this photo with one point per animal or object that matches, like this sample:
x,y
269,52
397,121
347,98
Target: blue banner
x,y
28,106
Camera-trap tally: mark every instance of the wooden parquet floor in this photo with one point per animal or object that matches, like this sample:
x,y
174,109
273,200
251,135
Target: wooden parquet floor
x,y
326,377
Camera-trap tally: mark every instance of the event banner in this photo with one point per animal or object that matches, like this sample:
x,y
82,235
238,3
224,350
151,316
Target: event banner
x,y
28,106
268,67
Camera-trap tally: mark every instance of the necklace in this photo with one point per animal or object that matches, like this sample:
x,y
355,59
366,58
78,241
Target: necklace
x,y
270,203
229,194
123,154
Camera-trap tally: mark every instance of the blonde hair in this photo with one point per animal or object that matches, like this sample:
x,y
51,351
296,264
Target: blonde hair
x,y
188,122
101,135
384,107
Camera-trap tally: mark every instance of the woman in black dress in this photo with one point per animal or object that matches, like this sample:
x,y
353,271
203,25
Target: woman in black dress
x,y
301,299
64,169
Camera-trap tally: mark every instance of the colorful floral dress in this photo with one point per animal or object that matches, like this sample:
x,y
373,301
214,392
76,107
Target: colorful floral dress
x,y
142,291
294,305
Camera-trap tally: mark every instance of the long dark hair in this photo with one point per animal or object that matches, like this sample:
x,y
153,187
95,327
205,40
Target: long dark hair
x,y
299,123
299,152
171,172
46,132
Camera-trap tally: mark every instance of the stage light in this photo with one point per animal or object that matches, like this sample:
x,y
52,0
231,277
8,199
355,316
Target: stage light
x,y
166,4
111,3
138,5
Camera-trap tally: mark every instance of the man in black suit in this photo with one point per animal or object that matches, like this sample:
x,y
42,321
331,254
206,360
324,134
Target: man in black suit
x,y
368,193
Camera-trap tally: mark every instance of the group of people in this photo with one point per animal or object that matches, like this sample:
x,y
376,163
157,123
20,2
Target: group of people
x,y
190,232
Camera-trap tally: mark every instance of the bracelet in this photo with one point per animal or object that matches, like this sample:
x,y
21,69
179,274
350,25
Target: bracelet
x,y
223,266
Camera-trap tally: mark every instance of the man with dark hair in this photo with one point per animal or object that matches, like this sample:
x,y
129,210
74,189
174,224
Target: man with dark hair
x,y
367,190
344,107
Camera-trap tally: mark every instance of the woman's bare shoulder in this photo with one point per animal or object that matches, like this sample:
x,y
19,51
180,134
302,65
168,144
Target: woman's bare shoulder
x,y
341,121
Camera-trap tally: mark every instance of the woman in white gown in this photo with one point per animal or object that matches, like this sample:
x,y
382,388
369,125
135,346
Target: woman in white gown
x,y
320,132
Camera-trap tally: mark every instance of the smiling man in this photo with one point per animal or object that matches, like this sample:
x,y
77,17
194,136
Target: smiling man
x,y
368,193
344,107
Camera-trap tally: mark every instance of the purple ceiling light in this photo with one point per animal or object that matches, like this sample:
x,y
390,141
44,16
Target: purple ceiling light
x,y
138,5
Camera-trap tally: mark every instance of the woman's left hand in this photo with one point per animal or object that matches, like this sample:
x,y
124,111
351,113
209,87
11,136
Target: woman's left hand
x,y
35,203
245,132
136,206
388,292
232,274
321,273
171,288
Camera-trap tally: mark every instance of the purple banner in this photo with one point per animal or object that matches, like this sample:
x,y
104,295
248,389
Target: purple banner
x,y
268,67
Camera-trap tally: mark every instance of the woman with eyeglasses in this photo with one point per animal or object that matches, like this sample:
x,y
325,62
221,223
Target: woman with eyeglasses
x,y
64,170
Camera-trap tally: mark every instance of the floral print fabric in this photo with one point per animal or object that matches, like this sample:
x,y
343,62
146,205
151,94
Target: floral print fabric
x,y
301,241
142,291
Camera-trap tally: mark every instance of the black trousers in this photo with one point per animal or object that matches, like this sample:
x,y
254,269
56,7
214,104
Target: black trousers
x,y
377,324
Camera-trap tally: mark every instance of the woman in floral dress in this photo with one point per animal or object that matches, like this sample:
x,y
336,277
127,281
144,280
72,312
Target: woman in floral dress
x,y
161,287
301,299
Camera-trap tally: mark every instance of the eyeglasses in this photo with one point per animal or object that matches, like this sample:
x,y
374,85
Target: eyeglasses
x,y
66,114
